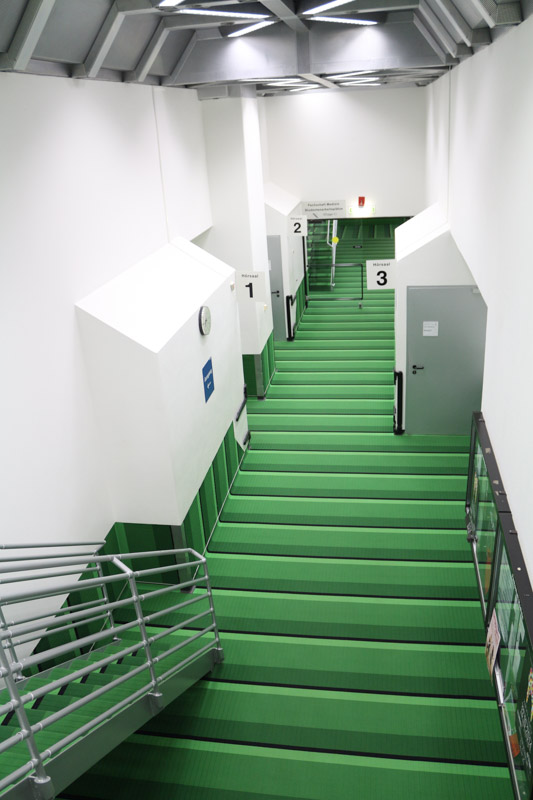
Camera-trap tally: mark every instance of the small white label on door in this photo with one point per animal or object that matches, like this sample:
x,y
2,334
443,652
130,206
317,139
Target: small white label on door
x,y
430,329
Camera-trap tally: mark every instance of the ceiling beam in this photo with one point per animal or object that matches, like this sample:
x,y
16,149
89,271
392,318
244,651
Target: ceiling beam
x,y
498,13
284,10
140,73
312,78
441,33
107,35
428,35
461,26
27,35
173,78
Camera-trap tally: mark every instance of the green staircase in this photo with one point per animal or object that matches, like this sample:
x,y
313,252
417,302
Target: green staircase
x,y
346,598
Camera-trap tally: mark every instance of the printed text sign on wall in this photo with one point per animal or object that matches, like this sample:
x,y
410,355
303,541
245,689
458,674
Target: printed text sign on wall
x,y
298,226
430,328
324,209
252,286
209,383
381,274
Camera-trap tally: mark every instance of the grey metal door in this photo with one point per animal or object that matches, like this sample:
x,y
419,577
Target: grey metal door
x,y
276,287
445,354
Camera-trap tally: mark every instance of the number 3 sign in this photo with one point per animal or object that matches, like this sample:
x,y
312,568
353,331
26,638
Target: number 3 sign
x,y
381,274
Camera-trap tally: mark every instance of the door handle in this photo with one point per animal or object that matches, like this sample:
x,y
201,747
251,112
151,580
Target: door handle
x,y
276,293
415,369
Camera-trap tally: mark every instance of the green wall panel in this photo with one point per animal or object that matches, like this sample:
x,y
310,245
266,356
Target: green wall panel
x,y
248,365
220,474
232,453
193,526
208,501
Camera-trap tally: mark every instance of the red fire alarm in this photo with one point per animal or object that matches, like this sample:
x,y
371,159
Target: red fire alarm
x,y
362,202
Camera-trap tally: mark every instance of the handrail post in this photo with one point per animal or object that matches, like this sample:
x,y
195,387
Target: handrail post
x,y
105,593
41,779
219,651
155,693
8,645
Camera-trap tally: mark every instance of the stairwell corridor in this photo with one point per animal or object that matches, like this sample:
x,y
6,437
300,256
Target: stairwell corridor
x,y
346,599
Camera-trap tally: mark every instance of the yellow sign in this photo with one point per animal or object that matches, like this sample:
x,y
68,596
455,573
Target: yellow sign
x,y
335,240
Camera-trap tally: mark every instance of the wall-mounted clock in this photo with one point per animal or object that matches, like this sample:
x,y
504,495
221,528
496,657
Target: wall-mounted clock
x,y
204,320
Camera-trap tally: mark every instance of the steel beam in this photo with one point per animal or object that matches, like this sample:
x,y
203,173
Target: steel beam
x,y
461,27
283,9
440,32
107,35
28,34
172,79
146,62
309,76
498,13
423,28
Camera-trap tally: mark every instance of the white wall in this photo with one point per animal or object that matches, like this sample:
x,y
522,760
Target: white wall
x,y
490,213
339,145
81,200
146,357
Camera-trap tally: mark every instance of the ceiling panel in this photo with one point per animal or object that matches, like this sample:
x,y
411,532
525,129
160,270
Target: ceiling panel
x,y
10,16
71,30
131,41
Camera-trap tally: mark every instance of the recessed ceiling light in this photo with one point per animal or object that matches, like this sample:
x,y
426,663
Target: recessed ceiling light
x,y
327,6
344,20
252,28
204,12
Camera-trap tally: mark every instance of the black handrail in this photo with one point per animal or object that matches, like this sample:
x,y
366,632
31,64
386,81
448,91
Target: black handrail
x,y
398,408
289,302
243,404
506,599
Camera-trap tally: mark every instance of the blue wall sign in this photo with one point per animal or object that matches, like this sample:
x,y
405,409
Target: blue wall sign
x,y
209,383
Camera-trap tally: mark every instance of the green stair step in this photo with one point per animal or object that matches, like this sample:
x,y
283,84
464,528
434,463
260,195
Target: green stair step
x,y
346,441
331,484
342,542
434,621
330,337
325,406
417,669
357,462
320,422
216,771
377,392
300,347
360,512
320,353
347,365
358,577
349,722
334,379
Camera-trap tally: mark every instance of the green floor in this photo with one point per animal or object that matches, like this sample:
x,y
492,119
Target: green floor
x,y
346,598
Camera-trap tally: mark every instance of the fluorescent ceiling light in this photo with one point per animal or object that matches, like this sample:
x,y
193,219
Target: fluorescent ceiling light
x,y
252,28
344,20
327,6
293,82
305,88
348,75
204,12
169,3
358,83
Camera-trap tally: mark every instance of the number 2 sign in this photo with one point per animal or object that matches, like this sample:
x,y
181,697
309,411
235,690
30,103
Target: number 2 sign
x,y
298,226
381,274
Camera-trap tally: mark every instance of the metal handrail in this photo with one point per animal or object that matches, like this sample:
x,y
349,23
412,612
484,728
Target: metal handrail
x,y
29,628
485,490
